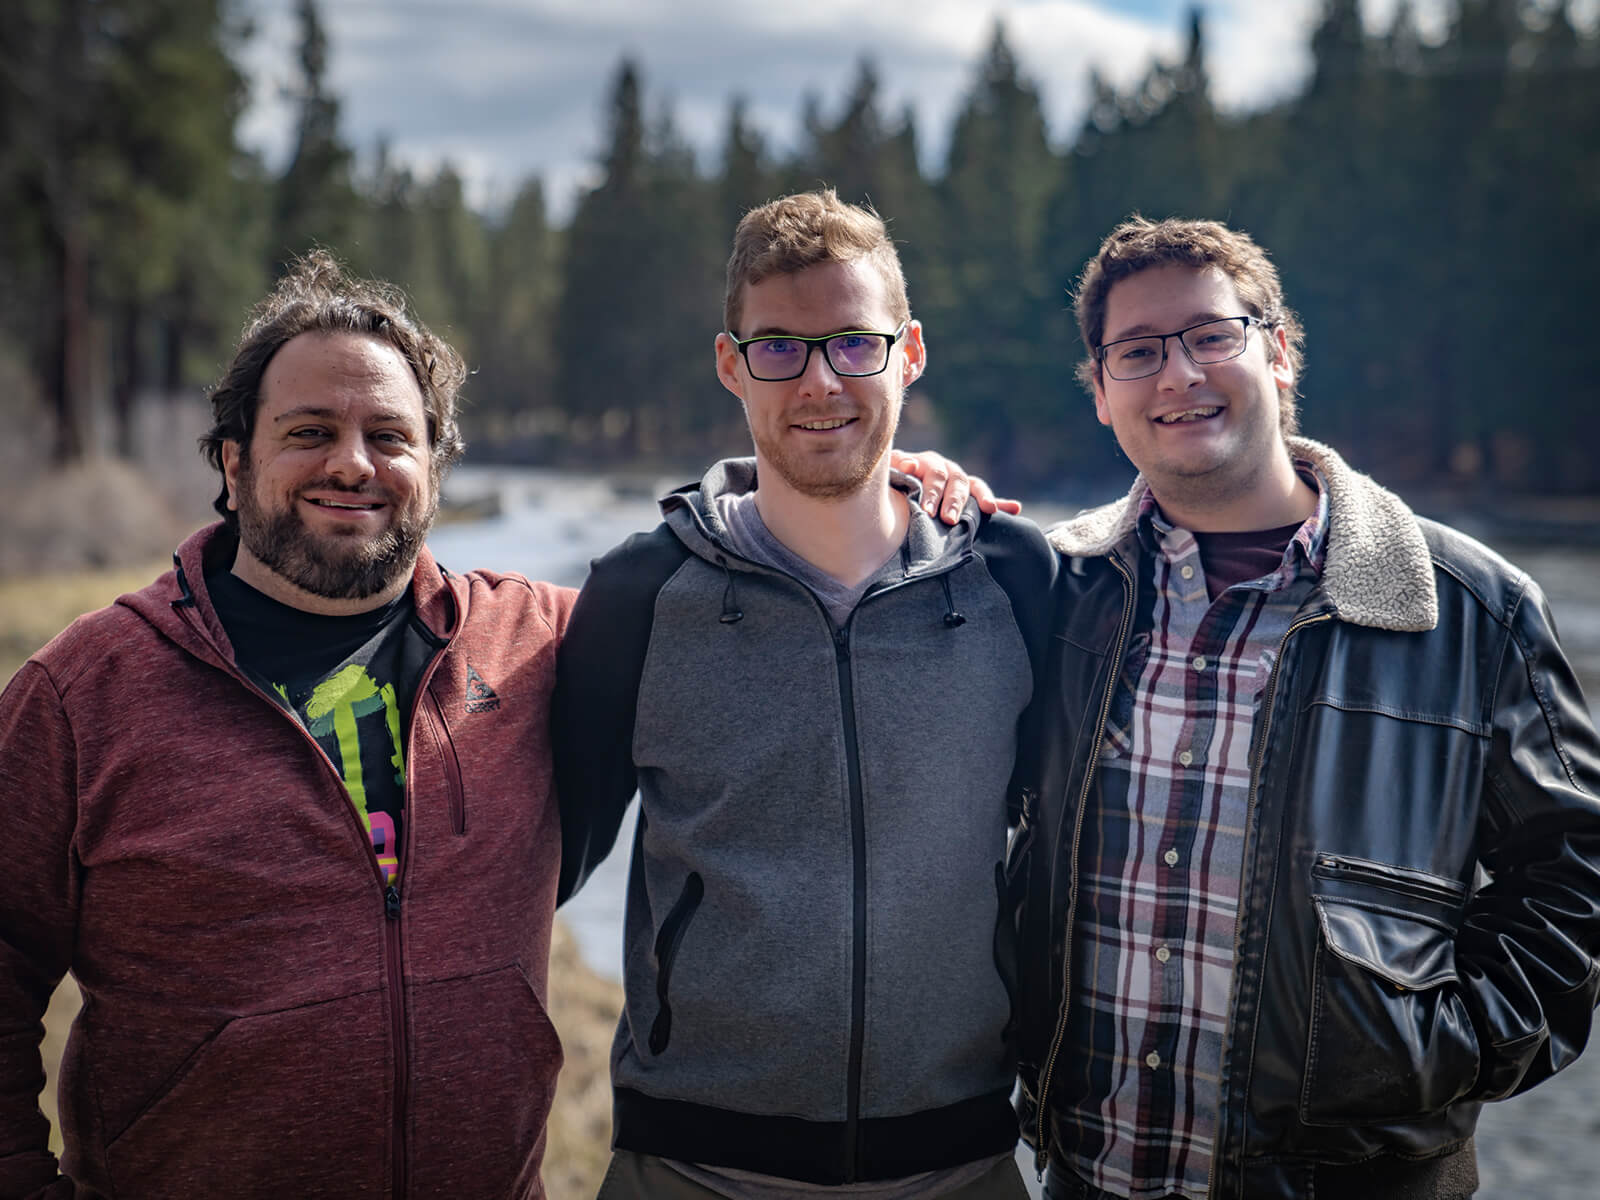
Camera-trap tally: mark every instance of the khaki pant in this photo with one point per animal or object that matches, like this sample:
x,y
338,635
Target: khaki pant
x,y
644,1177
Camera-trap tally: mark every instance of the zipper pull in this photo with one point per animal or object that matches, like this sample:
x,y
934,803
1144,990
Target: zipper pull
x,y
841,643
391,902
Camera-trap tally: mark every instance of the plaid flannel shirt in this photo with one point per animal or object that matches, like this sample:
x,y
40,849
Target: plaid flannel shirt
x,y
1162,858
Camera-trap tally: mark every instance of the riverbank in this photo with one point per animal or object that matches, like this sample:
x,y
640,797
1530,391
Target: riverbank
x,y
1545,1144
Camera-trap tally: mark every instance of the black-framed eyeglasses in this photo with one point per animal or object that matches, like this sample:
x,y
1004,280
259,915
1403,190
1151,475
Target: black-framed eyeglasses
x,y
1206,343
854,353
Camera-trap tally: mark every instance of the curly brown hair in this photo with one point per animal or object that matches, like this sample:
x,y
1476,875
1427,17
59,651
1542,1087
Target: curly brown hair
x,y
1139,244
319,296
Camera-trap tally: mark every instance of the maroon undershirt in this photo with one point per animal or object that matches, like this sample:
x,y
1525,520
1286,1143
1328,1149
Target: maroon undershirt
x,y
1230,558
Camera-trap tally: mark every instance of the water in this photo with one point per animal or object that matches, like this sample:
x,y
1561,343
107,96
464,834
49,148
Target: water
x,y
552,523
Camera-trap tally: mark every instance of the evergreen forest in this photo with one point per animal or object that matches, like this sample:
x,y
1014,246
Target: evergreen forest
x,y
1433,204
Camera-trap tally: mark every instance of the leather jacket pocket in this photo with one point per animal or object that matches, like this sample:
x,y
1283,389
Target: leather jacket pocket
x,y
1389,1037
668,939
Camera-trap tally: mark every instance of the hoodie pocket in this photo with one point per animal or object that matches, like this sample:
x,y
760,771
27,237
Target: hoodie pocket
x,y
221,1123
1389,1037
668,938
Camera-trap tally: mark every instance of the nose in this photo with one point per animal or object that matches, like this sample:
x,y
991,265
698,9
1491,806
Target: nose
x,y
819,378
349,461
1178,370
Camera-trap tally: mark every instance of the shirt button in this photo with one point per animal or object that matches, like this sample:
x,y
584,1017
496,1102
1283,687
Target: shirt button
x,y
1199,663
1170,858
1163,954
1186,571
1152,1060
1186,758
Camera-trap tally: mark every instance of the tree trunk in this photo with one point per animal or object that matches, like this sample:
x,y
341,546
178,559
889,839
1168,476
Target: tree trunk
x,y
69,374
128,374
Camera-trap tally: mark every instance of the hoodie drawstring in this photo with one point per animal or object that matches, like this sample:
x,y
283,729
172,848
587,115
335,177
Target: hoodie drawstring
x,y
731,612
952,619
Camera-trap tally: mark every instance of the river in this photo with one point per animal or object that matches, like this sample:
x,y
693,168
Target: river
x,y
551,523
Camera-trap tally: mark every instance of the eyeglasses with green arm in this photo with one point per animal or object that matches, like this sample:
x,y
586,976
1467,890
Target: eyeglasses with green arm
x,y
854,353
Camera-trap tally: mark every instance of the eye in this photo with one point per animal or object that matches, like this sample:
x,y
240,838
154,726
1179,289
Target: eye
x,y
852,341
780,346
1134,351
306,433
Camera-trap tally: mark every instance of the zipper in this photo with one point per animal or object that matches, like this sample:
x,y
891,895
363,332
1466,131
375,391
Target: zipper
x,y
1392,879
1041,1154
395,966
393,947
858,903
668,939
858,845
1258,754
451,764
858,862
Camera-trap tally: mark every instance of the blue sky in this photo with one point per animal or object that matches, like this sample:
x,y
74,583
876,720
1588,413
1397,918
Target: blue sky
x,y
503,89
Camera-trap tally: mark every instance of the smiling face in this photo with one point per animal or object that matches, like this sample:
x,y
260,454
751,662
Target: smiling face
x,y
821,435
337,490
1206,438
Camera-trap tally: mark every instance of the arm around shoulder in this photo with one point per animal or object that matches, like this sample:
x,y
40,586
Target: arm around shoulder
x,y
1024,564
598,670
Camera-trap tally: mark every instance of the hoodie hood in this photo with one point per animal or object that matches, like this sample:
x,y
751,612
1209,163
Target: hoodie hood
x,y
930,546
179,606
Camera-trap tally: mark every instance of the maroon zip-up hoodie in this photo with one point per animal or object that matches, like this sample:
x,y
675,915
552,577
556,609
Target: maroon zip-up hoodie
x,y
261,1017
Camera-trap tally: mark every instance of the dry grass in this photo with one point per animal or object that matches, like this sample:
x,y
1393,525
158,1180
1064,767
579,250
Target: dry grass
x,y
584,1006
36,607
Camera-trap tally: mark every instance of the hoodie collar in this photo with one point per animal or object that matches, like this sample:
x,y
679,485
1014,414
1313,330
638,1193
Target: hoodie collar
x,y
691,513
179,604
1378,570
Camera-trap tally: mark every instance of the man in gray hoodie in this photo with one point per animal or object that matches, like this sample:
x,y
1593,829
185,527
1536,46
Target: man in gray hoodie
x,y
818,965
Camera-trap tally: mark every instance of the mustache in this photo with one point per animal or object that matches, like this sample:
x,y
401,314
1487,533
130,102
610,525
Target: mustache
x,y
371,490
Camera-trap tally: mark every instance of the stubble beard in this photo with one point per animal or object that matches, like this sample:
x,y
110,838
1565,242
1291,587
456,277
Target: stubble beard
x,y
331,567
829,480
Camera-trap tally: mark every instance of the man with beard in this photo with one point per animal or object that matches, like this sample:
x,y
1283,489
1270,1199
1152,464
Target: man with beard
x,y
286,814
817,965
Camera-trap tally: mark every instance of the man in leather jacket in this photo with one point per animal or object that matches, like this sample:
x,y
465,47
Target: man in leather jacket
x,y
1314,866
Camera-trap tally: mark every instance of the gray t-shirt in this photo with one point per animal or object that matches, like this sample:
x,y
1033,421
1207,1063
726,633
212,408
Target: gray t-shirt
x,y
750,538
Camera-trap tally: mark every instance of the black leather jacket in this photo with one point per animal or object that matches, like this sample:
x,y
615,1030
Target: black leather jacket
x,y
1420,910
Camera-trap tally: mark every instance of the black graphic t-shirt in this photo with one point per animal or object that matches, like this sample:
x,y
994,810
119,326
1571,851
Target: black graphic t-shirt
x,y
350,680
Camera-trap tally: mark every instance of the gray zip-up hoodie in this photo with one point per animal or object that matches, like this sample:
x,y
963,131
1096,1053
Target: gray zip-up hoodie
x,y
816,964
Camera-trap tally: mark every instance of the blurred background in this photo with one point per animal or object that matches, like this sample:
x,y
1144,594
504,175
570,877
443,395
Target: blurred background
x,y
555,183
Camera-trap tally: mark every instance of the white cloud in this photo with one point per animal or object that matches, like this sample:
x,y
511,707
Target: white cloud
x,y
504,89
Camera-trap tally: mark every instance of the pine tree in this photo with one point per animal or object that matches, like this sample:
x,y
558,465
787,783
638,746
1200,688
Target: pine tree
x,y
994,372
315,200
117,119
641,299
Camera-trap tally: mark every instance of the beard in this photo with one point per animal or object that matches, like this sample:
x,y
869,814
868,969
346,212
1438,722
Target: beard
x,y
336,568
828,477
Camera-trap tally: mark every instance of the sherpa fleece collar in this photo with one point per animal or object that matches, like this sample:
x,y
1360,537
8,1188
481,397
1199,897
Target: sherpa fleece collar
x,y
1377,572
